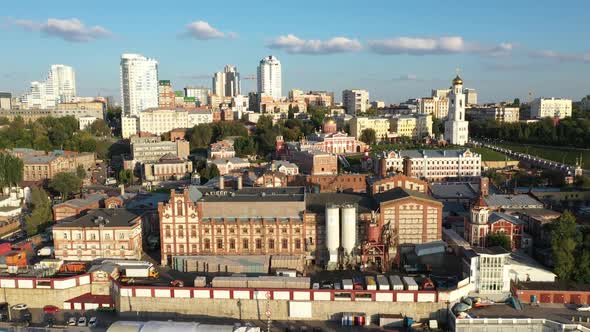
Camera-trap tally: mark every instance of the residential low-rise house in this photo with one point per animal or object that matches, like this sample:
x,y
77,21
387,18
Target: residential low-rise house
x,y
76,207
101,233
222,149
284,167
168,167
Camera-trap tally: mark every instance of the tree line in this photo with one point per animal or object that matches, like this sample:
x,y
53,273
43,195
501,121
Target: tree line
x,y
49,133
572,131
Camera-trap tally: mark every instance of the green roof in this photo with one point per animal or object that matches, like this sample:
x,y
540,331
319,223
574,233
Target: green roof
x,y
179,93
189,99
164,82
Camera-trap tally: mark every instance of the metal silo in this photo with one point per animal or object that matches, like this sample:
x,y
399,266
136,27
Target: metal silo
x,y
349,228
332,231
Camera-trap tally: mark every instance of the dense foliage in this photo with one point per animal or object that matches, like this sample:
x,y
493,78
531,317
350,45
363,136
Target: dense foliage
x,y
49,133
568,132
11,170
66,183
41,214
499,239
571,251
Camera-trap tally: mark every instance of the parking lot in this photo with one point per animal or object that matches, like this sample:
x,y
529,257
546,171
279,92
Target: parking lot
x,y
38,318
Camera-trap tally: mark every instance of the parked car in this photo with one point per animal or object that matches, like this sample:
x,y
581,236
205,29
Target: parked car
x,y
177,283
71,321
48,309
584,308
82,321
92,322
326,284
316,285
20,306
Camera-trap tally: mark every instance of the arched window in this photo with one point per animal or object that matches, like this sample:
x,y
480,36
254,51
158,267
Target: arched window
x,y
179,208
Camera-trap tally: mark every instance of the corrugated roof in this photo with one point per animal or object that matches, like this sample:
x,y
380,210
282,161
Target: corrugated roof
x,y
507,201
105,218
454,190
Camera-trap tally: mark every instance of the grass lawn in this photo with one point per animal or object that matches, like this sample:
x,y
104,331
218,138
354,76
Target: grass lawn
x,y
564,154
489,155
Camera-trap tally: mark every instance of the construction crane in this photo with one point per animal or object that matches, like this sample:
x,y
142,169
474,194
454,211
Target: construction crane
x,y
249,77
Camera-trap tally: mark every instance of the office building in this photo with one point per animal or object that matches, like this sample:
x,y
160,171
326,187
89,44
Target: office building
x,y
433,165
139,83
551,107
312,98
199,93
41,165
5,101
168,167
355,101
378,104
269,77
500,113
101,233
440,93
199,116
470,96
456,128
146,149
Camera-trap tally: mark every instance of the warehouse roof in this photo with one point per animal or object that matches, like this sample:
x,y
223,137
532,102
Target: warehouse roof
x,y
400,193
448,190
316,203
248,194
82,202
512,201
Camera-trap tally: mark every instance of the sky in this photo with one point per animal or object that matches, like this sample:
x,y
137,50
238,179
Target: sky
x,y
395,49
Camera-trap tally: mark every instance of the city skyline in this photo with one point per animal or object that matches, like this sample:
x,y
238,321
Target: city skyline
x,y
395,53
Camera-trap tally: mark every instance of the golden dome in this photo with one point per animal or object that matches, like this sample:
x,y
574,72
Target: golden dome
x,y
457,81
329,121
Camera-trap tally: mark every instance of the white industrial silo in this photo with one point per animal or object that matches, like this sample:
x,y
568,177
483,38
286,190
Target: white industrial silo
x,y
332,231
348,228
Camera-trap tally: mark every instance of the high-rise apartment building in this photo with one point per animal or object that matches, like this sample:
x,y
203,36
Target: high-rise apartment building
x,y
269,77
355,101
200,94
5,101
456,128
59,87
470,96
227,82
139,83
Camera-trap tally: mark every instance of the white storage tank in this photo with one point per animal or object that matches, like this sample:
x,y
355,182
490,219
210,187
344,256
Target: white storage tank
x,y
333,231
348,228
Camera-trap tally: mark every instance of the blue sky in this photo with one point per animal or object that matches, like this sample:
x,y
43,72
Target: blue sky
x,y
395,49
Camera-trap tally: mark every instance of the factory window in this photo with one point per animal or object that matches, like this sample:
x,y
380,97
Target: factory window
x,y
297,230
167,231
193,231
297,244
245,244
232,230
107,236
284,230
92,236
219,243
232,244
271,230
245,230
181,248
285,244
79,236
271,244
168,248
258,243
207,244
193,247
179,208
206,230
257,230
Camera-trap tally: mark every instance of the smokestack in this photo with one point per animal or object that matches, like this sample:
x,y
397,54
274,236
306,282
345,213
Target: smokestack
x,y
383,167
240,182
407,166
122,189
221,182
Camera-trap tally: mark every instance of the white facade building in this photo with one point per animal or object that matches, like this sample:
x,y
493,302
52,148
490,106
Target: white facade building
x,y
355,101
86,121
162,120
456,128
470,96
129,126
488,270
201,94
199,117
551,107
139,83
227,82
59,87
269,77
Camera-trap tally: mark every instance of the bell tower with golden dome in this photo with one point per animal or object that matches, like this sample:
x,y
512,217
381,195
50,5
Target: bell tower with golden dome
x,y
456,128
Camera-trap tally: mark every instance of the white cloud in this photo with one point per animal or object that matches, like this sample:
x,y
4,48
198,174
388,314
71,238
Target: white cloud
x,y
438,45
562,57
203,30
293,44
72,29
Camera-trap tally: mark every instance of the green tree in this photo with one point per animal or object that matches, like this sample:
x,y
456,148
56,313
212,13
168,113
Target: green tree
x,y
368,136
499,239
201,136
80,172
126,176
245,146
583,181
99,128
41,214
65,183
11,170
564,239
209,172
438,127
